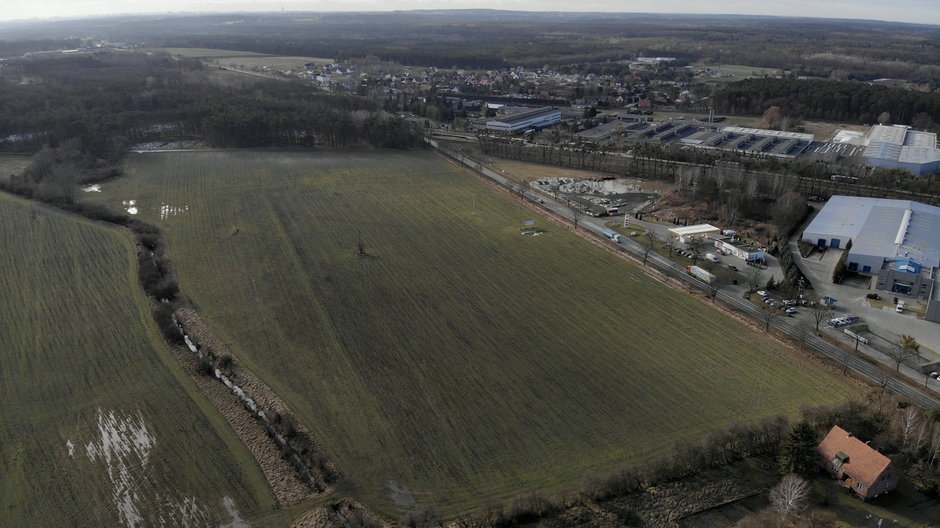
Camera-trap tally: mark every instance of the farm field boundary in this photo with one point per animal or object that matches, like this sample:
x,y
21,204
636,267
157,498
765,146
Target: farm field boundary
x,y
819,343
453,361
97,418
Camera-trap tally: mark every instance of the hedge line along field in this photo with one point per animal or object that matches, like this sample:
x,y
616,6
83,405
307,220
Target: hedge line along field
x,y
457,362
12,165
99,426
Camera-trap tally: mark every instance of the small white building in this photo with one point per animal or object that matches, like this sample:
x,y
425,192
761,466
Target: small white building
x,y
741,250
684,234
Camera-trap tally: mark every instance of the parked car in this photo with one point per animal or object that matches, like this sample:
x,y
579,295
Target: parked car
x,y
732,267
762,293
791,310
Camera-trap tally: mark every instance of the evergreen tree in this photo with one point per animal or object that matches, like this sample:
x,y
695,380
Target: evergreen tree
x,y
799,452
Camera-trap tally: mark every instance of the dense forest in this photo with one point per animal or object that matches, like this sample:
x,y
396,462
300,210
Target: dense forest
x,y
108,100
846,101
80,113
866,50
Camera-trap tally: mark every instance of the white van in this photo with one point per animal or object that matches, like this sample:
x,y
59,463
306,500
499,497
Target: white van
x,y
900,307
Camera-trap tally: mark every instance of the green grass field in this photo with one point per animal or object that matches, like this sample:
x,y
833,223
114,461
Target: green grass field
x,y
98,424
739,71
206,53
458,360
245,59
275,63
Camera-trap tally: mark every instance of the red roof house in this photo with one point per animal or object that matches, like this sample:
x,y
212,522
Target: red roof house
x,y
858,465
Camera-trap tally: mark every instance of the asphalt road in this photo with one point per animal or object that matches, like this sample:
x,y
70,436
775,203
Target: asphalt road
x,y
734,299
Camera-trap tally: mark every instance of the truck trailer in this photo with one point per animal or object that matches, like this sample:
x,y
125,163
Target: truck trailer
x,y
696,271
613,235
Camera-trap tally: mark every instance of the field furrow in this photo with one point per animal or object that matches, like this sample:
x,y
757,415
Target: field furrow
x,y
456,359
99,426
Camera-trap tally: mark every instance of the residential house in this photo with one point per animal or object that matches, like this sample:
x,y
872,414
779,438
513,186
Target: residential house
x,y
859,466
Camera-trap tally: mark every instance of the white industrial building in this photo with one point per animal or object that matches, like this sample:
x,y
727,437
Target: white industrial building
x,y
898,147
535,118
896,240
684,234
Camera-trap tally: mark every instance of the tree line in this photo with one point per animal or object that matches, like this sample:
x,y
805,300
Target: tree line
x,y
910,436
105,100
846,101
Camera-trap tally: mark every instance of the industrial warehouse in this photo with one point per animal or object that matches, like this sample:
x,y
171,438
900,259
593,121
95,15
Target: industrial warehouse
x,y
891,147
529,119
893,240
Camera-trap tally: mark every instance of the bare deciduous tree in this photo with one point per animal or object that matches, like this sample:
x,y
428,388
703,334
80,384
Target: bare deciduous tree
x,y
696,247
801,335
712,292
912,431
753,277
768,316
820,312
650,237
883,378
934,448
902,352
790,495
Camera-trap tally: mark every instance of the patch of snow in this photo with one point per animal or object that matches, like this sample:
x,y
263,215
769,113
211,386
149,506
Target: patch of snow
x,y
123,446
191,515
237,521
71,448
130,205
92,188
168,210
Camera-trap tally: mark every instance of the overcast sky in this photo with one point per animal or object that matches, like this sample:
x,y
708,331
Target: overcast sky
x,y
919,11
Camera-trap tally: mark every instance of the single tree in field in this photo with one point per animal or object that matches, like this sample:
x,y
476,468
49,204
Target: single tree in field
x,y
799,451
820,312
360,246
790,495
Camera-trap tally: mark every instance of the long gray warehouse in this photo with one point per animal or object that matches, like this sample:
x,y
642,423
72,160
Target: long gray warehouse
x,y
895,240
536,118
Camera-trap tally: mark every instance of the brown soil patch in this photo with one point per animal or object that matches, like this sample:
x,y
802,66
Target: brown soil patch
x,y
673,205
823,130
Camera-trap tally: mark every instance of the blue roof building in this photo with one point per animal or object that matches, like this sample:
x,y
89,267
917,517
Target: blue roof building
x,y
896,240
